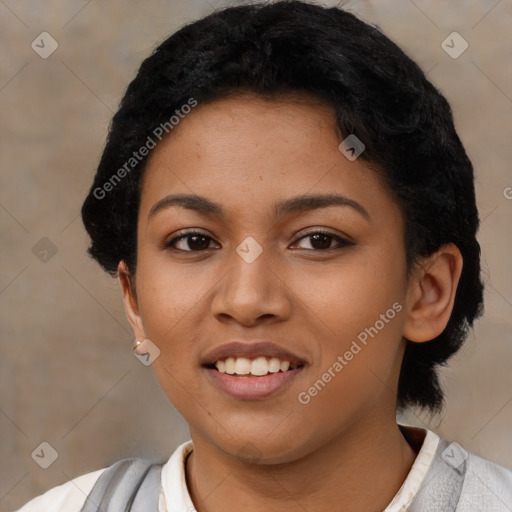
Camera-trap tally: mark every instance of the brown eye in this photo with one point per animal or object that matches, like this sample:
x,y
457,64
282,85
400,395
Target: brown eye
x,y
190,242
320,241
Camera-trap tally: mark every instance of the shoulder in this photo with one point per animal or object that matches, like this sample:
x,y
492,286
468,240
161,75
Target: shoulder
x,y
445,476
487,485
68,497
71,496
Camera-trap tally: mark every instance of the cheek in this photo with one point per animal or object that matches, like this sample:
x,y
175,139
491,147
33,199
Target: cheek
x,y
358,309
360,322
351,296
168,287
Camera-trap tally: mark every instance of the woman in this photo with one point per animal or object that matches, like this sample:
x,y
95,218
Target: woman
x,y
292,219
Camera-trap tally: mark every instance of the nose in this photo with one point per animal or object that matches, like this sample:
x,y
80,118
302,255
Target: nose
x,y
251,293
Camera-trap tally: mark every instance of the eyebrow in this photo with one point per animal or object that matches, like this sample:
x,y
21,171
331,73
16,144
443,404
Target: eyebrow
x,y
289,206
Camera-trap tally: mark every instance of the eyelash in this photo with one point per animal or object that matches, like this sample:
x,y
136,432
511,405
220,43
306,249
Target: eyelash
x,y
341,241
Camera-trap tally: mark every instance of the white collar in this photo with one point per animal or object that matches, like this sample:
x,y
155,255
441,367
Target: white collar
x,y
176,498
175,493
416,475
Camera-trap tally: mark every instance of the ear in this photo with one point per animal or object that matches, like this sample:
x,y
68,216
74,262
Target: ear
x,y
130,301
431,294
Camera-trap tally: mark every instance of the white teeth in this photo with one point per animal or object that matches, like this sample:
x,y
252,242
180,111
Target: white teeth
x,y
258,367
274,365
284,365
242,366
230,365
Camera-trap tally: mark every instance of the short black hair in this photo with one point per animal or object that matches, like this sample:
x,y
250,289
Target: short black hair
x,y
377,92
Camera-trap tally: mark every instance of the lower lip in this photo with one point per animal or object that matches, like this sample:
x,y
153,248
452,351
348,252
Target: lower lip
x,y
253,388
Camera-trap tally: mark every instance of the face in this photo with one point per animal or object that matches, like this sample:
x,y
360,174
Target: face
x,y
247,267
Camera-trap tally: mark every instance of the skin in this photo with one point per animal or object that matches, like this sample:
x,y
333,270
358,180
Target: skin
x,y
247,153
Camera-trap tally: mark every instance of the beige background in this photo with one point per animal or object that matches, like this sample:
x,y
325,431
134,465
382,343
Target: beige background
x,y
67,373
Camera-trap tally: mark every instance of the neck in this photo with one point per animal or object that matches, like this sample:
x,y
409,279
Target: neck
x,y
360,470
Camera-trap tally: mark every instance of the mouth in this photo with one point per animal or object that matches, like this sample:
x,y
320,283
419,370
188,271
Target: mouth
x,y
260,366
253,371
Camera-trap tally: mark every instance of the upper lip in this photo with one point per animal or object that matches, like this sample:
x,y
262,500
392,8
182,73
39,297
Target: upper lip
x,y
250,350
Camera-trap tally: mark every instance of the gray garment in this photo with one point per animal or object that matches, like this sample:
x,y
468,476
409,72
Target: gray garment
x,y
456,481
129,485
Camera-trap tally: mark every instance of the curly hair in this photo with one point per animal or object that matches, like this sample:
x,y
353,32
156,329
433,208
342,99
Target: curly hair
x,y
376,91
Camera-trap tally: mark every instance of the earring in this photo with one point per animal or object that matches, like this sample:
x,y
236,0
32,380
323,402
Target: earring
x,y
136,346
146,351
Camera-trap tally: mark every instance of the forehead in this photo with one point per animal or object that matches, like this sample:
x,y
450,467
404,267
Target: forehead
x,y
242,125
256,150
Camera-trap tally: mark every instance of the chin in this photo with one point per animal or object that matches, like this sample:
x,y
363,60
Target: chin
x,y
269,450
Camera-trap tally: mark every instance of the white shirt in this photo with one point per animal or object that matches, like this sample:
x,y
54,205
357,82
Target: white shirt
x,y
174,495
